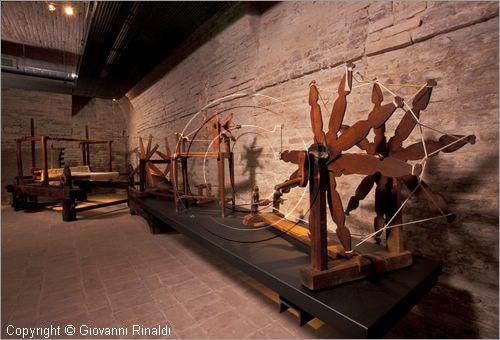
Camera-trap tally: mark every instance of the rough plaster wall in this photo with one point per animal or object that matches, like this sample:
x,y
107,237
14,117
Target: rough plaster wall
x,y
52,115
276,55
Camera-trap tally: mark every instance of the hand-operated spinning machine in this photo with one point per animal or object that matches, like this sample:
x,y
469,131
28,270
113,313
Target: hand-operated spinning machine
x,y
384,164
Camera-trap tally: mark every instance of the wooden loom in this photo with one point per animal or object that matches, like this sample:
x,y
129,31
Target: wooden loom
x,y
68,185
384,164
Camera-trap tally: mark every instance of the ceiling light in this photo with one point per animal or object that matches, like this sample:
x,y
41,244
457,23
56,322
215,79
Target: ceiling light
x,y
52,7
68,10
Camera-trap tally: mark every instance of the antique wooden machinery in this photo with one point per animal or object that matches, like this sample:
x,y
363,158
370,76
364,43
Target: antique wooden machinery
x,y
384,164
152,180
69,184
219,149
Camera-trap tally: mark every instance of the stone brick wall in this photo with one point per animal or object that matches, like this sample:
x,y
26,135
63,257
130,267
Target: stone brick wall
x,y
274,56
52,115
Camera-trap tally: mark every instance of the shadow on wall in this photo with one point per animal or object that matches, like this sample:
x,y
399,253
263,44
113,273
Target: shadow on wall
x,y
461,244
468,248
250,156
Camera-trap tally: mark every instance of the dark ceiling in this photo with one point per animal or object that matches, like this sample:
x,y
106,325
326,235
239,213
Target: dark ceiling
x,y
126,40
110,48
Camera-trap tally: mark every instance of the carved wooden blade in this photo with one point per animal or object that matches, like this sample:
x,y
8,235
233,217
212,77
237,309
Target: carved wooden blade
x,y
361,192
141,148
165,158
162,155
416,151
408,123
348,164
151,153
339,107
377,95
423,97
337,213
360,129
154,170
316,119
363,144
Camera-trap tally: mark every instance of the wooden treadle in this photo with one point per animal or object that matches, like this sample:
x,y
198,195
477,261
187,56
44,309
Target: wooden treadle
x,y
298,232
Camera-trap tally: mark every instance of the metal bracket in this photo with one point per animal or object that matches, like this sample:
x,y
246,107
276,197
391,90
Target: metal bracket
x,y
304,317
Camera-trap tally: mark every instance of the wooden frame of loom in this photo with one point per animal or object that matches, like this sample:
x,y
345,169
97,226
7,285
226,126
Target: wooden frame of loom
x,y
70,187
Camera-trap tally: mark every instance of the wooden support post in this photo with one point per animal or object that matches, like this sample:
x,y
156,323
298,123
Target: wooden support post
x,y
317,215
220,169
19,159
110,155
142,174
175,183
33,155
185,179
395,237
131,177
45,163
87,146
231,175
69,210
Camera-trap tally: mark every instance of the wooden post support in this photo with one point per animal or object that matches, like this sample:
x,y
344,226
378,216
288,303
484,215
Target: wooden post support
x,y
231,174
395,237
221,172
19,159
69,210
317,214
45,163
175,182
110,157
142,174
87,146
33,155
131,177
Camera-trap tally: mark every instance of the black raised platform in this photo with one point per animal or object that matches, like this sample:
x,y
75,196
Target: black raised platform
x,y
366,308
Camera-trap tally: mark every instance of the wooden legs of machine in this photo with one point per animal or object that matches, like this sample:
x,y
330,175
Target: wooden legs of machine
x,y
182,191
346,266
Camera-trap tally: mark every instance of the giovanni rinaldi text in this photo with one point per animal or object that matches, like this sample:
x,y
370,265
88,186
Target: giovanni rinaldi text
x,y
47,332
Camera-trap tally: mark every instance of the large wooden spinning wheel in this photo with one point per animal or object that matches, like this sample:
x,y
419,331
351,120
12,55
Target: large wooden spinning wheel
x,y
384,163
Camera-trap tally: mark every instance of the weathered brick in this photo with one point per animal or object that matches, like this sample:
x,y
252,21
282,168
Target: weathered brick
x,y
399,40
406,9
381,23
402,26
446,16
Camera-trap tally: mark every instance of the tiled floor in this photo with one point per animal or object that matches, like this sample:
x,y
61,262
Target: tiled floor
x,y
107,270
